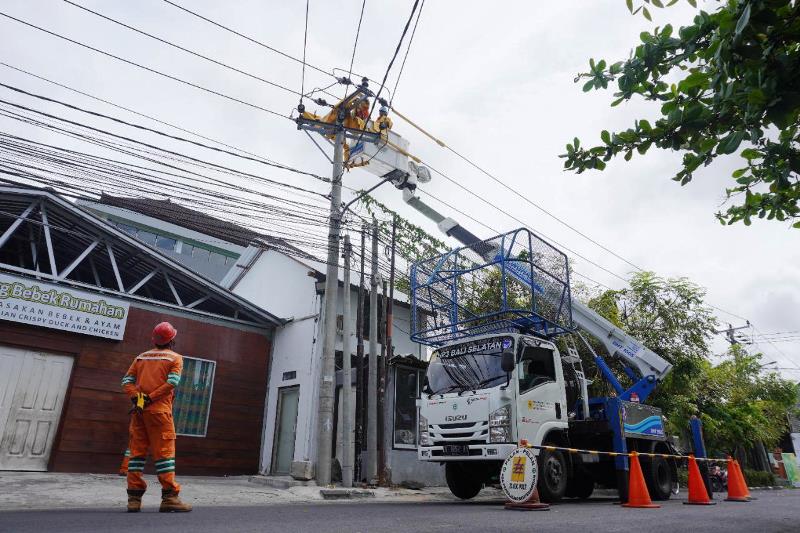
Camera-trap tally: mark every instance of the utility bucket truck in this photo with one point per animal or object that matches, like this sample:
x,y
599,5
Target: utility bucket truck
x,y
495,312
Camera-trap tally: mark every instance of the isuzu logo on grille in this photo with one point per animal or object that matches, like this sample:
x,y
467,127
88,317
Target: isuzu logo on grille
x,y
455,418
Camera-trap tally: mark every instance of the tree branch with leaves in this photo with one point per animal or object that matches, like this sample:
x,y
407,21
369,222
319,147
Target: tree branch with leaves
x,y
728,81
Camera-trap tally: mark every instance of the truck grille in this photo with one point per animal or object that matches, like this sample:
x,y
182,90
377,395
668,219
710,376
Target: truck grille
x,y
459,433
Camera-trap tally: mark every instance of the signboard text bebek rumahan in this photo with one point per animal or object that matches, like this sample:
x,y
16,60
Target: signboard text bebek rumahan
x,y
64,308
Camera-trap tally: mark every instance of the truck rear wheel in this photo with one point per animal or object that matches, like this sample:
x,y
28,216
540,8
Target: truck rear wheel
x,y
553,475
464,483
658,477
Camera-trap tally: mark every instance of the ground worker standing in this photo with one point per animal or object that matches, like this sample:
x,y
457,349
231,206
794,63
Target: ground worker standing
x,y
150,383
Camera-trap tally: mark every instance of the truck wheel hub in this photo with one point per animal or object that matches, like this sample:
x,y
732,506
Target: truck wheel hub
x,y
553,471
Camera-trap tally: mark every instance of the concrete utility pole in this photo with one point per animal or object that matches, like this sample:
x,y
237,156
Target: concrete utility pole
x,y
372,381
340,133
347,422
389,307
327,378
382,393
360,364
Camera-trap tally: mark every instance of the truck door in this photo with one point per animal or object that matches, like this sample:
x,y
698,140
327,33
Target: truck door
x,y
540,403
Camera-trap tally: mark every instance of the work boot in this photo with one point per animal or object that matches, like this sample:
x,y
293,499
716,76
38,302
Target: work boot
x,y
135,500
170,503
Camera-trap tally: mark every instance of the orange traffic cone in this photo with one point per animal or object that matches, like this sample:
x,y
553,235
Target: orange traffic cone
x,y
638,495
737,488
698,495
744,481
533,504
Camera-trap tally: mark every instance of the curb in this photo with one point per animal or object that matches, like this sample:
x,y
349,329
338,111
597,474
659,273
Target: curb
x,y
279,482
346,494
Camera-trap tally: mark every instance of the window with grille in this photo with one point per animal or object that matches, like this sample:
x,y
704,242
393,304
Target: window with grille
x,y
193,397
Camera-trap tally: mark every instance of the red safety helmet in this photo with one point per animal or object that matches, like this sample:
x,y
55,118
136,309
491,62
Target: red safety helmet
x,y
163,333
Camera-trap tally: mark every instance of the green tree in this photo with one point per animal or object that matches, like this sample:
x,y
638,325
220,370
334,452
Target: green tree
x,y
670,318
412,242
727,82
740,405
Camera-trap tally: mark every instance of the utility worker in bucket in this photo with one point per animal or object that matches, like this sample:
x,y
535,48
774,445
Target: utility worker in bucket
x,y
150,383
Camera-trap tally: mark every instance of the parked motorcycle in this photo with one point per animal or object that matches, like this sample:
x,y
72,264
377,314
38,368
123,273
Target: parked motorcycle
x,y
719,479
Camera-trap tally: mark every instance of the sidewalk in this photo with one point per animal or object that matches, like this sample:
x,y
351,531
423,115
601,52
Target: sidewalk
x,y
48,490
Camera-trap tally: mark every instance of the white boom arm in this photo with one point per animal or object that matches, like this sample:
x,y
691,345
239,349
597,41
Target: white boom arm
x,y
388,161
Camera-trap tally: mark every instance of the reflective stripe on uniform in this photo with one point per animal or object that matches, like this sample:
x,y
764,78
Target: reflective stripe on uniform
x,y
128,379
128,453
173,379
165,465
136,464
154,358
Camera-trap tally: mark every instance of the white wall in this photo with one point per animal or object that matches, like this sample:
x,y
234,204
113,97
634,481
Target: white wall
x,y
283,286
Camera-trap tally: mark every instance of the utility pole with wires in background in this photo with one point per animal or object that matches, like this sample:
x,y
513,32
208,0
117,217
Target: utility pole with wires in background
x,y
334,125
732,337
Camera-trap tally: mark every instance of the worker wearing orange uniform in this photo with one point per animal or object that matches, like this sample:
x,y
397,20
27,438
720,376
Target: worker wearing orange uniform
x,y
150,382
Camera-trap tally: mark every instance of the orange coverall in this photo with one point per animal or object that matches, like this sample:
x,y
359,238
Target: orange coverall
x,y
156,373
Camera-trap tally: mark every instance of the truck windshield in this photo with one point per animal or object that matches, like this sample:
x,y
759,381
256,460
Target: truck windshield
x,y
467,366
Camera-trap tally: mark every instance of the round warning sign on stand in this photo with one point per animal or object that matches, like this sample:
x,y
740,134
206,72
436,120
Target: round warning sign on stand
x,y
518,475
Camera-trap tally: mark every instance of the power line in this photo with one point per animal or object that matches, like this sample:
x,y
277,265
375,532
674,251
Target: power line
x,y
383,82
279,114
158,132
305,45
61,119
408,49
355,42
262,44
542,209
188,51
780,333
494,206
469,161
394,56
251,39
149,69
149,117
777,349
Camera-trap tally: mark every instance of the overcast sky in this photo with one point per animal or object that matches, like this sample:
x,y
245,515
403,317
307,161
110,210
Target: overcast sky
x,y
495,84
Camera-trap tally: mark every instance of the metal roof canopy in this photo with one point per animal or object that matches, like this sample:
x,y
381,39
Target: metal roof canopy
x,y
46,237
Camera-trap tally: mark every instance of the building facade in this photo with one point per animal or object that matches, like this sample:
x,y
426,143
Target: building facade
x,y
78,301
274,275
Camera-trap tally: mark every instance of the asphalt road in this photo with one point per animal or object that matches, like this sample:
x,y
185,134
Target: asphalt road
x,y
772,512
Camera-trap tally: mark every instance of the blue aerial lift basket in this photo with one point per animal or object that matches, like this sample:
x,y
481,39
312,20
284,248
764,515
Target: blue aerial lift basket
x,y
512,282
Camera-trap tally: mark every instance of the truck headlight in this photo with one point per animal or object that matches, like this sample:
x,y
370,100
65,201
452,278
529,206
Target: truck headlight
x,y
424,435
500,434
501,417
500,425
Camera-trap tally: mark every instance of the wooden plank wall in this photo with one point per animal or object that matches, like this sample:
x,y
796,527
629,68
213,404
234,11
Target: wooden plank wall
x,y
93,433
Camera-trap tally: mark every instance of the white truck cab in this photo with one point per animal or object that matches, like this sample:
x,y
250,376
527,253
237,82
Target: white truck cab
x,y
485,394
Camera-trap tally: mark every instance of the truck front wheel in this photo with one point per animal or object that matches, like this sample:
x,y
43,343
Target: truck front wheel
x,y
553,475
464,483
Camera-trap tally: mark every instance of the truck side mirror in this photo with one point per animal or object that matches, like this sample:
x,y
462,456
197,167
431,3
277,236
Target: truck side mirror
x,y
507,362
